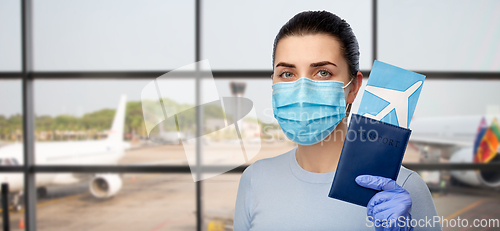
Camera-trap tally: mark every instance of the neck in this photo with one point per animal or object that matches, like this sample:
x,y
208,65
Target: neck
x,y
323,156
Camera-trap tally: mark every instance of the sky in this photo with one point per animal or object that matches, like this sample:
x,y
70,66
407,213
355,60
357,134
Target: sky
x,y
113,35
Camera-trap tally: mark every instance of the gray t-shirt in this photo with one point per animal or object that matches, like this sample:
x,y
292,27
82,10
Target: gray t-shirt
x,y
277,194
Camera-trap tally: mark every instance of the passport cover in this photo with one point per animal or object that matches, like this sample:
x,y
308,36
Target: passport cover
x,y
391,94
371,147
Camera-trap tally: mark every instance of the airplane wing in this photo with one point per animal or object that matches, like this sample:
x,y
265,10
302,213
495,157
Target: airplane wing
x,y
383,93
433,141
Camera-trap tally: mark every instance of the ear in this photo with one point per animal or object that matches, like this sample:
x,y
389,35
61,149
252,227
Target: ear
x,y
354,89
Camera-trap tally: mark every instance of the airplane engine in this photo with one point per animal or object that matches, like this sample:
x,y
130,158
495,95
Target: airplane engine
x,y
105,185
491,178
474,178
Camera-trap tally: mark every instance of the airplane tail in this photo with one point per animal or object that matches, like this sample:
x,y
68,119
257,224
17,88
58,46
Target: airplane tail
x,y
116,132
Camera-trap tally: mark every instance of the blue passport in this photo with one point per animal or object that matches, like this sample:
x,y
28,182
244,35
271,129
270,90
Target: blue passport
x,y
372,147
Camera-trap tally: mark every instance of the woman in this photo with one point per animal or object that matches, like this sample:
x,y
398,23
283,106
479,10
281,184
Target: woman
x,y
316,78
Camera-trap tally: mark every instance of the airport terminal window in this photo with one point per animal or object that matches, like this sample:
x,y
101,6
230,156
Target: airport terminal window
x,y
66,112
10,38
16,216
251,48
11,129
158,35
150,201
220,195
435,36
441,98
70,108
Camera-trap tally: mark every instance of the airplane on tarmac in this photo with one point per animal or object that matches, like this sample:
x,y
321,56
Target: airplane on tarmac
x,y
455,137
91,152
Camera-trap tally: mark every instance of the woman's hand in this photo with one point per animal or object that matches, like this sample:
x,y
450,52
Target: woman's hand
x,y
389,208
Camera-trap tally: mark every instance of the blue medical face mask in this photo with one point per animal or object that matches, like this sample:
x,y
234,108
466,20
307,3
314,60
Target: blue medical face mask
x,y
307,110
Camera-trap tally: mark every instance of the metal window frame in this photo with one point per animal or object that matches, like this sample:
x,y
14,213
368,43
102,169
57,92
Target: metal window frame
x,y
28,114
27,75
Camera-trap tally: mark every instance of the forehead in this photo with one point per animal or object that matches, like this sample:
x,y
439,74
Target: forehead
x,y
309,49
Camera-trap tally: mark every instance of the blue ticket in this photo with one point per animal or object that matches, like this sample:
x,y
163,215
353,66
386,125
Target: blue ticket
x,y
391,94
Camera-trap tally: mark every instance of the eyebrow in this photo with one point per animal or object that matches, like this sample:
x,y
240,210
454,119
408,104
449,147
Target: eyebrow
x,y
318,64
323,63
283,64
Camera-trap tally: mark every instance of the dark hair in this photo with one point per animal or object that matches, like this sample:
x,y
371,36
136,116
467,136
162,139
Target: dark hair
x,y
323,22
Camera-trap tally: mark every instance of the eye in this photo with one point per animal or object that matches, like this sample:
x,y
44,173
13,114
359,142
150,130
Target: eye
x,y
286,75
324,74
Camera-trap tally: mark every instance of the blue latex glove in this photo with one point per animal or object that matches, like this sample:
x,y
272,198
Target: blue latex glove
x,y
388,205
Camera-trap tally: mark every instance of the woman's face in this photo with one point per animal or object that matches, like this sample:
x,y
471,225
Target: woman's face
x,y
317,57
